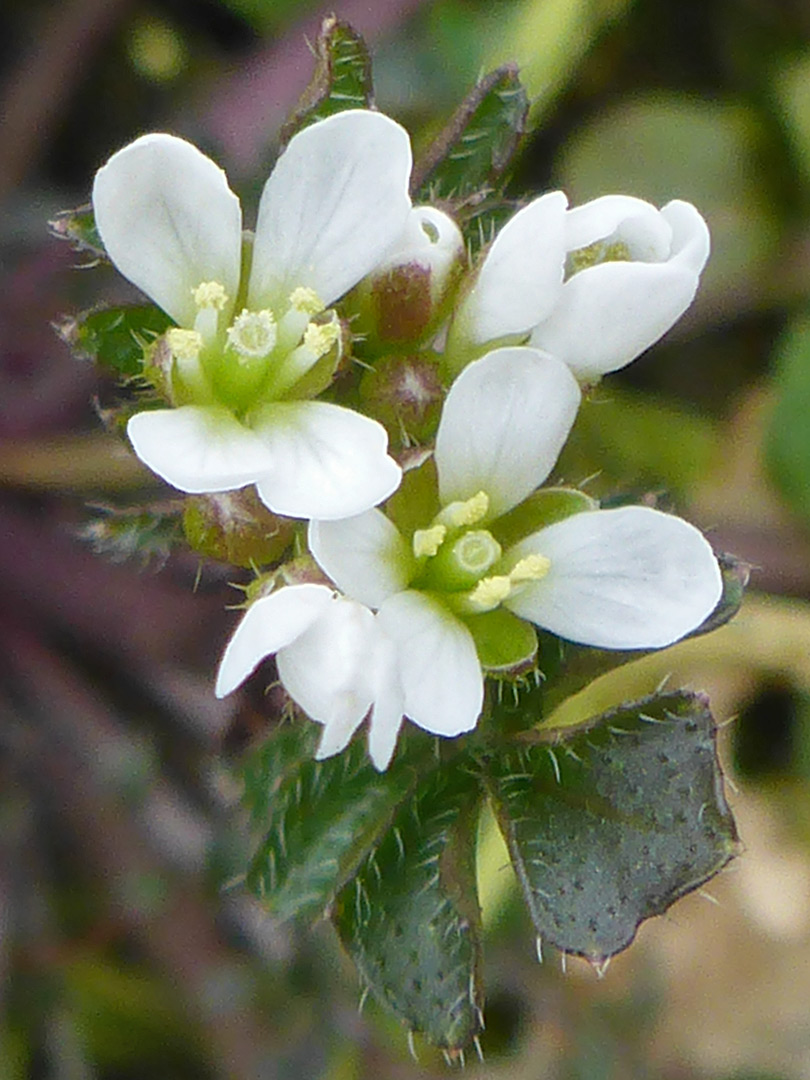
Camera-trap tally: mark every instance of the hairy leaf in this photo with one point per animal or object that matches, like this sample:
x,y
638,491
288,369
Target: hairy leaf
x,y
479,142
614,824
342,78
321,819
410,918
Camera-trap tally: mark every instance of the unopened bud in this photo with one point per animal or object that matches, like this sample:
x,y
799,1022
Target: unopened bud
x,y
405,394
235,527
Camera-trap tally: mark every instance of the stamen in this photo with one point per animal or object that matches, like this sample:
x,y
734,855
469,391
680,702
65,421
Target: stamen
x,y
599,252
531,568
185,345
460,514
210,294
306,300
253,334
426,542
490,592
320,337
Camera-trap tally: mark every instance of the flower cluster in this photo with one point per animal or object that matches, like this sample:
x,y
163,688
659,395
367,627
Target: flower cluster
x,y
409,607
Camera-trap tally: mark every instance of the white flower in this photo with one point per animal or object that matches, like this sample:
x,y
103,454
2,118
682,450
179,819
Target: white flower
x,y
594,286
331,660
452,597
254,336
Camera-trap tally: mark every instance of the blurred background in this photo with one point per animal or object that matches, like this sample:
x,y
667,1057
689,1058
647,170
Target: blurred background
x,y
126,950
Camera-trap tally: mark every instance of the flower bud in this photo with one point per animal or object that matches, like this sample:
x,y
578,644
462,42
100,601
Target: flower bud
x,y
405,299
405,394
235,527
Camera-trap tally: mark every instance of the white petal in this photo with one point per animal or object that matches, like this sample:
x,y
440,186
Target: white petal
x,y
603,217
328,462
389,704
521,275
438,665
267,626
365,556
326,671
333,206
169,221
691,243
197,449
503,424
610,313
630,578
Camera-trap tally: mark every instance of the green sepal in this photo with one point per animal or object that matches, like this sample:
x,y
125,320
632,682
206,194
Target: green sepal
x,y
541,508
115,338
568,668
616,822
321,819
410,919
78,227
479,142
505,644
342,78
416,501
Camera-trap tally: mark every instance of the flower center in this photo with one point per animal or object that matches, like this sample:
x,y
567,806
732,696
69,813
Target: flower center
x,y
601,251
456,559
253,334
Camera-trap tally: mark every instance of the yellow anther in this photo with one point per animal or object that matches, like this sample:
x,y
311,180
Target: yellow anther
x,y
599,252
531,568
306,300
253,334
210,294
460,514
426,542
184,344
320,337
489,592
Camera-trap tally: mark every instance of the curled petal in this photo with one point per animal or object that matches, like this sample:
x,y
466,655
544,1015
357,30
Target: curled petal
x,y
521,276
438,666
270,624
365,556
504,423
169,221
609,216
198,449
691,243
328,462
333,206
610,313
326,671
631,578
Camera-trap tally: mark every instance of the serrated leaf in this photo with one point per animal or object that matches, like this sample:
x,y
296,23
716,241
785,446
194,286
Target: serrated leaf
x,y
115,338
78,227
342,78
614,824
410,918
322,818
479,142
567,667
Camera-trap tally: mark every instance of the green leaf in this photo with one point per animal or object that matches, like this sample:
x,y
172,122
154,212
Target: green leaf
x,y
342,78
321,819
410,918
479,142
78,227
568,668
614,824
787,444
115,338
